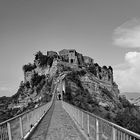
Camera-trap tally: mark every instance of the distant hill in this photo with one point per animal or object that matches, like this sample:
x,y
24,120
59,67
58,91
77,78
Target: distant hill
x,y
130,95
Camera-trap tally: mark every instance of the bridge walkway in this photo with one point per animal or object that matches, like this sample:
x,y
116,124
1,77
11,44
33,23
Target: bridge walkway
x,y
57,125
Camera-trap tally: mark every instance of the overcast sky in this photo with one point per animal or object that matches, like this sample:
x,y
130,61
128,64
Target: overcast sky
x,y
106,30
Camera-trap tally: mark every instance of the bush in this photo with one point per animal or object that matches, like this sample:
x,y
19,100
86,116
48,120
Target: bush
x,y
44,60
104,67
92,69
28,67
106,92
124,101
127,120
36,79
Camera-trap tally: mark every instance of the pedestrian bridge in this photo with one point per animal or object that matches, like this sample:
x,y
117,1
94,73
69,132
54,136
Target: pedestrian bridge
x,y
58,120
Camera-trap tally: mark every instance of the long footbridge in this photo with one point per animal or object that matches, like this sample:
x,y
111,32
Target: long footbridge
x,y
58,120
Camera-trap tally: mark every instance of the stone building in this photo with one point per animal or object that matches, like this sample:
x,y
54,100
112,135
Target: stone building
x,y
72,57
64,55
69,56
104,73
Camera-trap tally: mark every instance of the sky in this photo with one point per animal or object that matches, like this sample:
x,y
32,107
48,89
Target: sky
x,y
106,30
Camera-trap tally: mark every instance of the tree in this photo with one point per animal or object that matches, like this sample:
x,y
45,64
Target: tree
x,y
36,79
124,101
27,84
50,61
92,69
110,68
28,67
38,55
42,59
105,67
127,120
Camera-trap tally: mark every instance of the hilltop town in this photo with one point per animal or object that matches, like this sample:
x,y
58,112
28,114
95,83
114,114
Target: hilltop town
x,y
72,59
39,76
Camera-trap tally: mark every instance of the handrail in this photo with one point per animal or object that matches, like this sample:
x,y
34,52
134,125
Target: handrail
x,y
17,127
19,115
113,124
116,130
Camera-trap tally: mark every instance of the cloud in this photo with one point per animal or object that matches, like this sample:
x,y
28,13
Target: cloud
x,y
128,34
127,75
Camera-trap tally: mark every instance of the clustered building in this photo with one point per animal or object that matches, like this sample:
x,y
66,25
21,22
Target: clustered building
x,y
73,58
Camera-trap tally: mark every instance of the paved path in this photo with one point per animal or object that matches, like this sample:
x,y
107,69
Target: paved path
x,y
61,126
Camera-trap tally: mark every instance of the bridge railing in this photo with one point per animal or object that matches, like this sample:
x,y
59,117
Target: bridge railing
x,y
97,128
18,127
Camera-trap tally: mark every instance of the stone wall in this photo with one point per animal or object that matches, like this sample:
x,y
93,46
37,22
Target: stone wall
x,y
69,56
72,57
88,60
104,74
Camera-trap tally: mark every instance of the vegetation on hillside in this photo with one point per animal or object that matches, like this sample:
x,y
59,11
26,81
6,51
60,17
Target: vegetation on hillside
x,y
43,60
127,120
39,84
40,60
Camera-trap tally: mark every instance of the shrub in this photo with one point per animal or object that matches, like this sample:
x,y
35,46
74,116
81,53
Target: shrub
x,y
36,79
124,101
127,120
42,59
92,69
106,92
28,67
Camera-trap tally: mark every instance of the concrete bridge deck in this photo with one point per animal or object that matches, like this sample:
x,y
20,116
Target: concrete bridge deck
x,y
56,125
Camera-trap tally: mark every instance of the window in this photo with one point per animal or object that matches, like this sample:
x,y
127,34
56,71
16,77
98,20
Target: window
x,y
71,60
